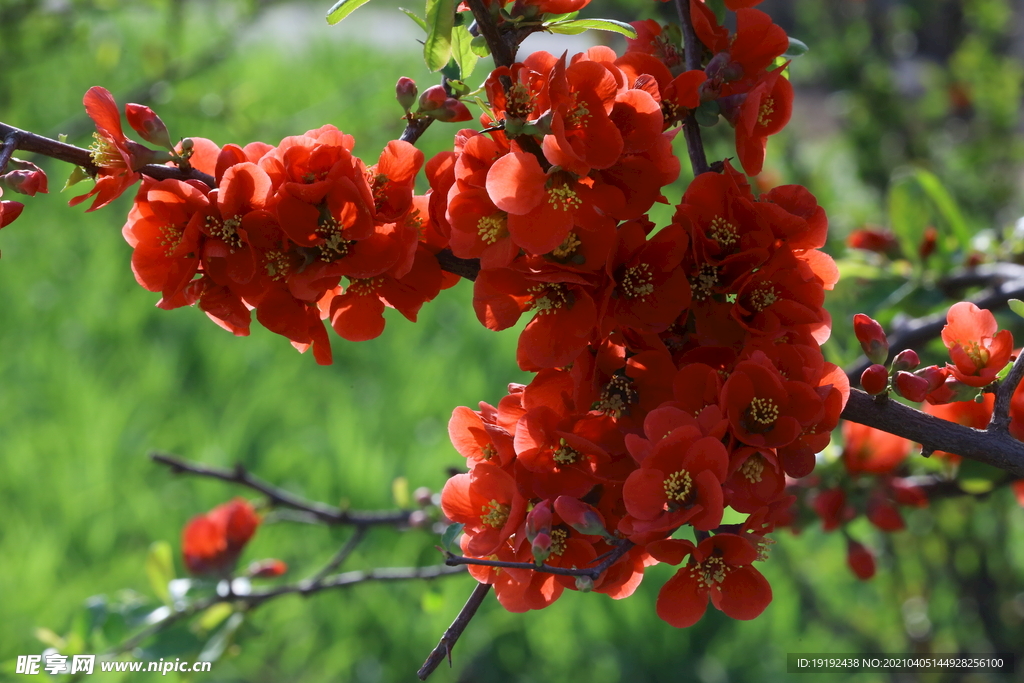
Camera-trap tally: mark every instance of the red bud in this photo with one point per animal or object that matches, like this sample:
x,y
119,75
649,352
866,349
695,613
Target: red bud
x,y
911,386
9,211
541,546
452,111
580,516
884,515
267,569
875,379
907,359
538,521
433,98
860,559
871,337
405,92
147,124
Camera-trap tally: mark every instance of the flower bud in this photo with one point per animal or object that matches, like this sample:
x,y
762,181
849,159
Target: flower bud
x,y
907,493
871,337
147,124
432,98
911,387
831,507
405,92
935,375
538,521
27,178
580,516
875,379
860,560
423,496
541,547
928,242
418,519
951,391
452,111
266,569
907,359
584,584
9,211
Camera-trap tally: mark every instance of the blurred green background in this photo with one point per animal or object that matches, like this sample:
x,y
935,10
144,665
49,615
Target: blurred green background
x,y
92,376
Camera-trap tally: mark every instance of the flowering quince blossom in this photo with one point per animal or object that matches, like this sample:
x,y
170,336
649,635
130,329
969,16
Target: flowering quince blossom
x,y
977,349
211,543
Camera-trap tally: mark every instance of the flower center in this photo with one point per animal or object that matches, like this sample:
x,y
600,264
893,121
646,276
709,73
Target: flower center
x,y
558,539
495,514
226,231
488,451
277,264
977,353
616,398
334,246
364,287
752,468
104,153
492,228
761,415
548,298
565,454
678,489
709,572
578,113
705,281
763,297
519,103
766,111
567,247
637,282
170,238
723,232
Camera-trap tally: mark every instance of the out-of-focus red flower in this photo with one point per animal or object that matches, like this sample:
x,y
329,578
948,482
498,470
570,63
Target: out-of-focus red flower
x,y
880,241
211,543
266,569
871,450
977,349
860,559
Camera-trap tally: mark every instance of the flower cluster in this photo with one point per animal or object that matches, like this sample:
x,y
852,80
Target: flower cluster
x,y
879,487
211,543
678,371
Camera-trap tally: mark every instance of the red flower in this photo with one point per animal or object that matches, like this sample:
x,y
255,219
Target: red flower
x,y
9,211
977,350
860,559
485,499
720,570
871,450
116,156
211,543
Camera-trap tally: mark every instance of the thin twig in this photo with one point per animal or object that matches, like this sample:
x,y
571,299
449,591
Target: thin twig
x,y
37,144
692,52
451,635
10,144
340,557
1000,421
593,572
995,448
325,513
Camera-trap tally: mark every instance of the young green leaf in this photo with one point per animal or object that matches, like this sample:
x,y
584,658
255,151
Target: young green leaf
x,y
945,204
450,534
160,569
437,49
1017,306
574,27
415,17
462,51
796,48
342,9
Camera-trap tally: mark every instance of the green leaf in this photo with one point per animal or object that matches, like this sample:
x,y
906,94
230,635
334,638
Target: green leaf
x,y
479,45
438,47
946,206
342,9
78,174
908,214
571,28
462,51
415,17
160,569
450,534
1017,306
215,647
796,48
214,616
400,492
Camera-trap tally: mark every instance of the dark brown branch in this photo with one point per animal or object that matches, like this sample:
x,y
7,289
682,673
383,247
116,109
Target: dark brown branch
x,y
451,635
994,448
414,129
10,144
502,51
467,268
325,513
37,144
692,53
593,572
1001,411
304,588
340,557
916,332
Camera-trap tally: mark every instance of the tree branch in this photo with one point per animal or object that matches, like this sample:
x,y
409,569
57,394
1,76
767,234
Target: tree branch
x,y
692,53
914,333
10,144
37,144
503,53
451,635
325,513
1000,421
991,447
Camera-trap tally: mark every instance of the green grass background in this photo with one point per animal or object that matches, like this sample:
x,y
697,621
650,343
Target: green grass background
x,y
93,376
